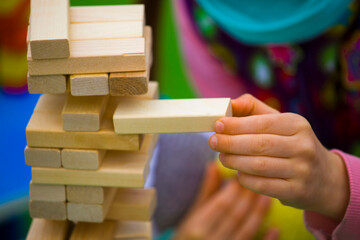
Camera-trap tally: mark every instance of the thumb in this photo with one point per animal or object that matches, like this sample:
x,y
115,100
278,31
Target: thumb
x,y
247,105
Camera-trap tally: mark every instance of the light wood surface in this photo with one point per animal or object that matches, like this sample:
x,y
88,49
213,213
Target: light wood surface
x,y
89,84
49,33
43,229
47,84
133,230
47,193
43,157
48,210
85,159
94,231
45,129
85,194
166,116
84,113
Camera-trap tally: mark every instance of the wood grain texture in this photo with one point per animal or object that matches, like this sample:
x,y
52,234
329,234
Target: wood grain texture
x,y
48,210
133,230
89,84
85,212
116,13
49,33
133,205
47,193
53,84
43,157
43,229
45,129
166,116
83,113
133,83
94,231
84,159
85,194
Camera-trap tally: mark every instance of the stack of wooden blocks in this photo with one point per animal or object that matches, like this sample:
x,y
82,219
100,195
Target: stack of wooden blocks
x,y
85,61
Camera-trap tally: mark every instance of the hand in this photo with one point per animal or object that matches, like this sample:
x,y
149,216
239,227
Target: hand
x,y
231,212
278,154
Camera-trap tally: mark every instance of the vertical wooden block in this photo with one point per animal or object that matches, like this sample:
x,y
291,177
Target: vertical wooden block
x,y
48,210
91,212
133,230
49,32
43,229
82,158
47,193
89,84
43,157
84,113
104,231
53,84
86,194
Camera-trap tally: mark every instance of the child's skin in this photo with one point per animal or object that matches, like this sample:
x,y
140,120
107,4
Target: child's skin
x,y
278,154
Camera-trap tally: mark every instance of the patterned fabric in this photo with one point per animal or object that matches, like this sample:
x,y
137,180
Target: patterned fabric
x,y
319,79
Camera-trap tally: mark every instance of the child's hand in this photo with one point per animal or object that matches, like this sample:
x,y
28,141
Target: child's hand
x,y
278,154
231,212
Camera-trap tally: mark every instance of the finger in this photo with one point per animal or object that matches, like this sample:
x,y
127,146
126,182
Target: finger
x,y
272,187
272,234
258,165
254,145
285,124
254,220
247,105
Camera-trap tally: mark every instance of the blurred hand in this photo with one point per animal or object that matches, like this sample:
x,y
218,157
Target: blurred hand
x,y
278,154
230,212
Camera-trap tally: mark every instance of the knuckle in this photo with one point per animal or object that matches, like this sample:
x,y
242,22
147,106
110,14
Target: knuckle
x,y
308,148
304,170
260,186
259,165
260,144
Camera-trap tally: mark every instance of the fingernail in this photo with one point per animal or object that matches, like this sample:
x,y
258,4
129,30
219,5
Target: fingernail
x,y
219,127
213,142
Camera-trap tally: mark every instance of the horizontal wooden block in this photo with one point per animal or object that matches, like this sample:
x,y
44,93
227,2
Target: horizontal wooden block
x,y
47,193
166,116
133,205
94,56
107,13
104,231
106,30
119,169
89,84
83,113
48,210
133,83
44,229
53,84
45,129
82,158
43,157
49,33
85,194
133,230
85,212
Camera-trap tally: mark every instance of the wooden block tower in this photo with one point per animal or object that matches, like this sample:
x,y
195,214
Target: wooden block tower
x,y
88,181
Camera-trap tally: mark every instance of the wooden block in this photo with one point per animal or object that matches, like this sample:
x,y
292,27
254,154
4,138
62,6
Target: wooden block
x,y
133,205
94,231
133,230
48,210
82,159
133,83
119,169
49,33
85,212
47,193
43,229
47,84
43,157
83,113
45,129
149,143
94,56
116,13
89,84
166,116
106,30
85,194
